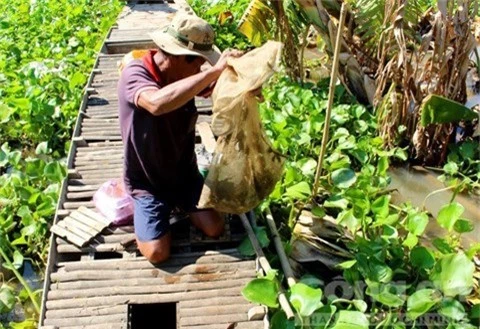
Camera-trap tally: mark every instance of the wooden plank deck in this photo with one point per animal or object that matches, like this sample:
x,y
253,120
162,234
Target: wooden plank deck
x,y
92,286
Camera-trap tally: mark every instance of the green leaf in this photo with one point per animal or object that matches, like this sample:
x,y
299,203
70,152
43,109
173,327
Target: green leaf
x,y
463,226
27,324
360,305
401,154
344,178
305,299
54,171
380,206
411,241
308,167
246,248
336,201
347,264
318,211
442,246
17,259
280,321
421,301
298,191
417,223
42,148
77,79
322,317
347,219
474,248
351,320
311,281
7,299
20,241
261,291
450,168
469,149
383,293
474,315
382,166
421,257
5,113
453,275
22,103
449,214
380,272
437,109
452,309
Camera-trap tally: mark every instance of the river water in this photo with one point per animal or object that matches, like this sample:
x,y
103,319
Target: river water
x,y
416,183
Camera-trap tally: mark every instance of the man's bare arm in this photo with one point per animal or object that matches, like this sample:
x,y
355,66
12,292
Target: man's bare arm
x,y
176,94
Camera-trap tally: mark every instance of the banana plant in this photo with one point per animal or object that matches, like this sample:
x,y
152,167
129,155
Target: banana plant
x,y
285,20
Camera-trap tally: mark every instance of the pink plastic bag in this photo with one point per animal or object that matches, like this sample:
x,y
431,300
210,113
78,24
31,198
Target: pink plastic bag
x,y
114,203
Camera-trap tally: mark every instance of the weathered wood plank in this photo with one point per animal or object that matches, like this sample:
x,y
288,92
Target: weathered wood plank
x,y
88,311
98,320
76,204
141,263
82,225
166,280
107,239
61,231
97,225
105,165
149,273
184,312
212,319
114,290
80,195
94,215
119,325
111,247
99,170
69,226
86,181
218,301
202,298
239,325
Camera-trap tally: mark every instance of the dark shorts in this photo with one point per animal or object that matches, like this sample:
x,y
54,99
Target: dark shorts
x,y
152,213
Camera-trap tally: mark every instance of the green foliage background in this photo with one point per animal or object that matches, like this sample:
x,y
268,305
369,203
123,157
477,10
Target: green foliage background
x,y
47,51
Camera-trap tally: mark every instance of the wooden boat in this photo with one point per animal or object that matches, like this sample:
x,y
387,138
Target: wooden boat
x,y
107,283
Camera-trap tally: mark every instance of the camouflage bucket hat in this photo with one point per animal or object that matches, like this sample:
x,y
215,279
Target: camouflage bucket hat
x,y
187,35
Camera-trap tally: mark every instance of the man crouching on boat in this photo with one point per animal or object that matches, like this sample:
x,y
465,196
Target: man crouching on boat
x,y
157,118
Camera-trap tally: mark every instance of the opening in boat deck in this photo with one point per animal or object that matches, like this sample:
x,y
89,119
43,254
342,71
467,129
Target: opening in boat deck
x,y
142,316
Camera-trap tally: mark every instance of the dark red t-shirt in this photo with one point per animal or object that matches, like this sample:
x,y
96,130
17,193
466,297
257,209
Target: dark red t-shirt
x,y
159,150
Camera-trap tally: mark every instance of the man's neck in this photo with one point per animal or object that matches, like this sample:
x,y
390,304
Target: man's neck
x,y
163,63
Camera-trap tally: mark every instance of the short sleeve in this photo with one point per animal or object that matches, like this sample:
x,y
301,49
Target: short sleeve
x,y
133,80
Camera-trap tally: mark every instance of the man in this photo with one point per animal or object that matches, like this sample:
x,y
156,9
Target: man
x,y
157,118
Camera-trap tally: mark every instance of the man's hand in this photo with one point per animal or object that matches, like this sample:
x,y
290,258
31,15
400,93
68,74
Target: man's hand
x,y
219,67
229,53
258,94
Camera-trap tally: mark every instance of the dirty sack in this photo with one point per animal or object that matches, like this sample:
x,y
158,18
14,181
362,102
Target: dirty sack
x,y
245,167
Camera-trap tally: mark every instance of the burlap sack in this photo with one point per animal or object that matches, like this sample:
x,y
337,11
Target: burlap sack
x,y
245,168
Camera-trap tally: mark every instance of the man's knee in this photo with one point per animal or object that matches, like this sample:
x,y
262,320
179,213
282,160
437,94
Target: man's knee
x,y
156,251
215,230
157,255
209,221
